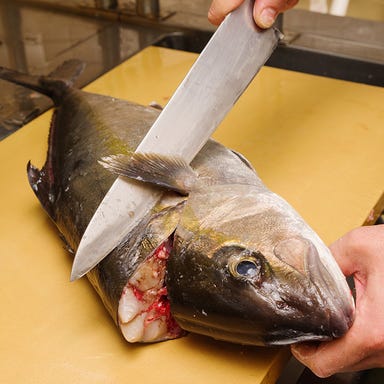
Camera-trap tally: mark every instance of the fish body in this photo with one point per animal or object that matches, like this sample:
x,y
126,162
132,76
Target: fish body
x,y
219,254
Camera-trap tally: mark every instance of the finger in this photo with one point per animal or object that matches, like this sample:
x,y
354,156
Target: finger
x,y
266,11
340,355
330,357
354,250
220,8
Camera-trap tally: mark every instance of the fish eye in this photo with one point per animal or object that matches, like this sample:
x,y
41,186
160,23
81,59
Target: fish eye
x,y
245,268
242,263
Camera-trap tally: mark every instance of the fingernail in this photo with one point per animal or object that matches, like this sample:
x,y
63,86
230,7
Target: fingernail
x,y
267,17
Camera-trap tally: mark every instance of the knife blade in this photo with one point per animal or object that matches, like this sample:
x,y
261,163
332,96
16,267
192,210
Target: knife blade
x,y
223,70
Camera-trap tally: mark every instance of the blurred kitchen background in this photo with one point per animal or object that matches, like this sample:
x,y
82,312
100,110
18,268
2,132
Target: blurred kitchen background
x,y
36,36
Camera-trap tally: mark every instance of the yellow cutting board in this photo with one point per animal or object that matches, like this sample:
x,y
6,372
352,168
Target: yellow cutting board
x,y
318,142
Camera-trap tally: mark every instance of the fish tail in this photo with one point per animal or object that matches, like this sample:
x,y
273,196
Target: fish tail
x,y
52,85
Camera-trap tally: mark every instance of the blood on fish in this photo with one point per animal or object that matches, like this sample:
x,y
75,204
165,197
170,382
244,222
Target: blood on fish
x,y
154,300
138,294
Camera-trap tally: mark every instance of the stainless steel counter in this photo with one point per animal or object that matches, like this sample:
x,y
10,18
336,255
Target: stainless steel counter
x,y
36,40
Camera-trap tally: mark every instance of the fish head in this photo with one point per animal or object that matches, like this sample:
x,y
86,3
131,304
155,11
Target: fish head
x,y
244,266
251,271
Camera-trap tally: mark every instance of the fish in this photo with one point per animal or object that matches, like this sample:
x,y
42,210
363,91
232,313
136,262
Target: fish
x,y
219,254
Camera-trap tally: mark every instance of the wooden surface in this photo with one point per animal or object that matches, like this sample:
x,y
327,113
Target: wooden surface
x,y
317,142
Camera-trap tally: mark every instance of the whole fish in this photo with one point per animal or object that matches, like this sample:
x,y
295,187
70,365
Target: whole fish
x,y
219,255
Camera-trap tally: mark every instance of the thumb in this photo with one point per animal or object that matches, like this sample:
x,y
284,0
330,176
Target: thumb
x,y
342,251
355,250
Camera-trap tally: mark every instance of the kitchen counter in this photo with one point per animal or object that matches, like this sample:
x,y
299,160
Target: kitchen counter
x,y
315,141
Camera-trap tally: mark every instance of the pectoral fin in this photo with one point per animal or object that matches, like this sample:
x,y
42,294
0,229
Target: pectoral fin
x,y
172,173
42,186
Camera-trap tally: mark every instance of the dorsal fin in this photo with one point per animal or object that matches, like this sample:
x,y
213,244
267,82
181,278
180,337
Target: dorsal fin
x,y
52,85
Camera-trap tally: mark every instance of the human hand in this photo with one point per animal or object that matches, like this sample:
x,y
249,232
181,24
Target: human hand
x,y
264,11
359,253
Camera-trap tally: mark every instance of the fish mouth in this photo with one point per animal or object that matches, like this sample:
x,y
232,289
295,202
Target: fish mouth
x,y
336,326
288,338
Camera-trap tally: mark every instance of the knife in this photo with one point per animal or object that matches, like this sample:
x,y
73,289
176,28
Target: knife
x,y
223,70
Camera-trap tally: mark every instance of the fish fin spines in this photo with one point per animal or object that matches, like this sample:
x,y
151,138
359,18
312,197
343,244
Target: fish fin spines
x,y
169,172
41,187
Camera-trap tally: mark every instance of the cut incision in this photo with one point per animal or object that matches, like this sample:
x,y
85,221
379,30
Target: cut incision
x,y
144,310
